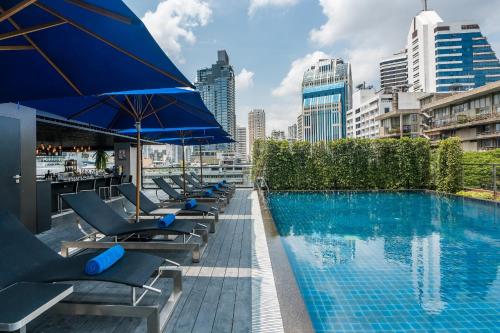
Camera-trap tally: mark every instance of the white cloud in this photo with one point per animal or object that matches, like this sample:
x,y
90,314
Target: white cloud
x,y
364,31
256,4
291,84
174,21
244,80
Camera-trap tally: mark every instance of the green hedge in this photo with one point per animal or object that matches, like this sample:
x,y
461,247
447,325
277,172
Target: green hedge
x,y
449,170
350,164
477,176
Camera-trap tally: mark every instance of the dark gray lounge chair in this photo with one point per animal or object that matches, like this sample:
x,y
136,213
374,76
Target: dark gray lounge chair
x,y
152,209
175,196
198,180
191,191
109,223
24,258
197,186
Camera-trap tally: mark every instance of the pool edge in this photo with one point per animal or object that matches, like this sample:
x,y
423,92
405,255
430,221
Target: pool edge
x,y
294,313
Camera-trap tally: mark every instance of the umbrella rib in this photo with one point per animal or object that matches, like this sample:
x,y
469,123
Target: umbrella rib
x,y
88,108
137,116
116,47
122,107
155,111
32,29
45,56
101,11
197,114
16,47
16,9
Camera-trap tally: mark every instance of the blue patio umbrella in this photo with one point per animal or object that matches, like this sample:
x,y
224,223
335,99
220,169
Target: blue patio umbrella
x,y
62,48
180,136
142,109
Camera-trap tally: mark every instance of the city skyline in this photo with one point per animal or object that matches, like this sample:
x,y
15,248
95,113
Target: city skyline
x,y
323,28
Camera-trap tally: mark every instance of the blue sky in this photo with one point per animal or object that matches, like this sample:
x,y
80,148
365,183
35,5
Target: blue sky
x,y
270,42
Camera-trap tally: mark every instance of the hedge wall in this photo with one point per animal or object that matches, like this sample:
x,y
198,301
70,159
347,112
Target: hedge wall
x,y
477,176
350,164
449,169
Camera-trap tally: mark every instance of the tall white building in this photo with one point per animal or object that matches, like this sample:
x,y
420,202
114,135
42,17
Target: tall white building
x,y
367,104
421,54
326,97
256,127
300,128
394,70
241,143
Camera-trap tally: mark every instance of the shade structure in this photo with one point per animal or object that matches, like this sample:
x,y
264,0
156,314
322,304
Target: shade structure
x,y
158,109
160,134
61,48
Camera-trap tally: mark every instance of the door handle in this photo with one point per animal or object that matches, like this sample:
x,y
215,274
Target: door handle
x,y
17,178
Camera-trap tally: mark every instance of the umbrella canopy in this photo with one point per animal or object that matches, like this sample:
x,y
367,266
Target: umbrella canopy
x,y
161,134
60,48
157,108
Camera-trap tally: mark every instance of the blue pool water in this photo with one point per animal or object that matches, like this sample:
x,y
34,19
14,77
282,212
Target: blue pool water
x,y
393,262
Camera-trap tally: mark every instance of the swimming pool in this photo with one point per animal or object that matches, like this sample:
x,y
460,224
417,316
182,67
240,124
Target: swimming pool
x,y
393,262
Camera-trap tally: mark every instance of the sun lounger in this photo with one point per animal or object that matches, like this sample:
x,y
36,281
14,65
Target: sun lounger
x,y
24,258
216,187
175,196
150,208
198,179
190,191
132,236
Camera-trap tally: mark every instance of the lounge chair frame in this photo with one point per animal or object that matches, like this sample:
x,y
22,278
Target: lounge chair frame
x,y
93,241
156,317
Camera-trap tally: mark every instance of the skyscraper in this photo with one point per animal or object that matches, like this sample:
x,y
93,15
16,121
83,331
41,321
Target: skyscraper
x,y
464,58
216,85
448,56
241,143
292,133
256,127
394,70
326,97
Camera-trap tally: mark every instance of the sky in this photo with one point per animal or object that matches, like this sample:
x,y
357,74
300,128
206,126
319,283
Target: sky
x,y
271,42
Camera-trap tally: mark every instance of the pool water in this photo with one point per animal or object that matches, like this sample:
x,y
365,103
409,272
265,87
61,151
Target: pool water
x,y
393,262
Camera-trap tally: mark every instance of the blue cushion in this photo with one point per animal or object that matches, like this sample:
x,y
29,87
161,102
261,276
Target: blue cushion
x,y
224,181
215,187
208,193
105,260
166,220
190,204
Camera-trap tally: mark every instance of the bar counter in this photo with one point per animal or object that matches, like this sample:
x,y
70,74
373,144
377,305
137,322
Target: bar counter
x,y
102,185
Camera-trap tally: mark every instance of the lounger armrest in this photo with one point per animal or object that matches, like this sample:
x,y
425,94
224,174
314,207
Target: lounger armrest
x,y
23,302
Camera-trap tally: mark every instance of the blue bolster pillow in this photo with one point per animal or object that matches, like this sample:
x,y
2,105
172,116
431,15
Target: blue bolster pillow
x,y
166,220
221,184
208,193
190,204
215,187
105,260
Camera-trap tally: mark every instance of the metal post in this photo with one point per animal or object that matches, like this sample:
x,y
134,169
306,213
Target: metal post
x,y
494,181
183,168
138,172
201,165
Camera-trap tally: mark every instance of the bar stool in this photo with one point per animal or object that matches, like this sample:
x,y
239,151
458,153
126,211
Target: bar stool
x,y
86,185
106,188
67,188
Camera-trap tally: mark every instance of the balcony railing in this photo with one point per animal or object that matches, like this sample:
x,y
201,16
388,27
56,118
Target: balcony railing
x,y
240,175
465,118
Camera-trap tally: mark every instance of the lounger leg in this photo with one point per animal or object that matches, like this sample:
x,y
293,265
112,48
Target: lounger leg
x,y
21,330
153,322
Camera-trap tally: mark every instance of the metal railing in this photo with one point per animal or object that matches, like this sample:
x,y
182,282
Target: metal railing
x,y
239,175
482,177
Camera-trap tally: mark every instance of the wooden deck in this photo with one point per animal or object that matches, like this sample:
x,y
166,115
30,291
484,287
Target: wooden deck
x,y
217,292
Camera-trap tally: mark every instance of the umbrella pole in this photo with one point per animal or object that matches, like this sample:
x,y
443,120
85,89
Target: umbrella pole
x,y
201,165
138,172
183,167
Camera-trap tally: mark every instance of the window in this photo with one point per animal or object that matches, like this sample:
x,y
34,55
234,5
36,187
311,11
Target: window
x,y
470,26
442,28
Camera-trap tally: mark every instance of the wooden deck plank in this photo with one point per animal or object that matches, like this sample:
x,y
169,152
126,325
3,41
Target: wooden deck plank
x,y
216,291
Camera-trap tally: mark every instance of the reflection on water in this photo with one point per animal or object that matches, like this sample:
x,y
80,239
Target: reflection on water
x,y
367,259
